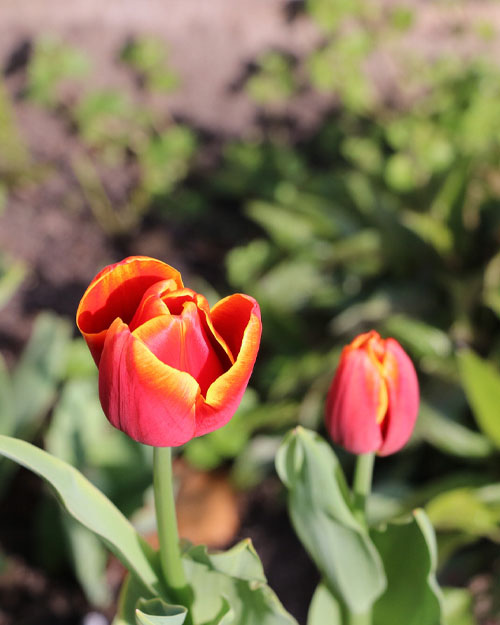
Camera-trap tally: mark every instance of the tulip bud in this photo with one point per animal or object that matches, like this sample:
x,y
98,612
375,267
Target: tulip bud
x,y
372,403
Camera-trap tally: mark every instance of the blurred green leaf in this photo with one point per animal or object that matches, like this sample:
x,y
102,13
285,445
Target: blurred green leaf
x,y
430,230
289,229
481,382
40,370
457,607
89,559
245,264
12,275
79,433
420,338
363,152
6,400
52,62
466,510
402,17
400,173
290,285
273,81
79,362
165,158
149,56
108,120
450,436
14,156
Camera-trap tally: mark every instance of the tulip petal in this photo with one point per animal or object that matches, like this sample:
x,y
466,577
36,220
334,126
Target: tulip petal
x,y
402,384
145,398
184,343
353,399
116,292
152,304
237,319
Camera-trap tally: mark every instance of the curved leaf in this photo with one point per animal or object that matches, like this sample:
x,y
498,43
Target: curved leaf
x,y
481,383
157,612
90,507
130,593
321,514
324,608
408,550
234,579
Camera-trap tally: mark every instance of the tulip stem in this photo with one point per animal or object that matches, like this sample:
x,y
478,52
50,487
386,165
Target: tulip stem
x,y
362,483
359,619
361,487
168,535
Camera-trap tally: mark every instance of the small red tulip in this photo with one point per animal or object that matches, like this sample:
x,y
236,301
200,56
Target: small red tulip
x,y
170,368
373,401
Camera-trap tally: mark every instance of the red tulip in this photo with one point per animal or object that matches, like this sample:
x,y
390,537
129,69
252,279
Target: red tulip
x,y
170,368
373,401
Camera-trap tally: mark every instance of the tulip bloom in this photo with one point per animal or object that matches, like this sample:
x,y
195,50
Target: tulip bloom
x,y
170,368
373,401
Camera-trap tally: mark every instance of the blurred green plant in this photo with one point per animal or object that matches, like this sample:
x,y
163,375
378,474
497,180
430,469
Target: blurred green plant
x,y
15,164
149,57
116,131
273,81
52,63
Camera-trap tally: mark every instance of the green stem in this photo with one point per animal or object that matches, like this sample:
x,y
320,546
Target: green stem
x,y
362,484
359,619
168,536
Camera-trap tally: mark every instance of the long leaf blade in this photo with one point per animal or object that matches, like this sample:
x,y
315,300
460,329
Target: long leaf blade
x,y
90,507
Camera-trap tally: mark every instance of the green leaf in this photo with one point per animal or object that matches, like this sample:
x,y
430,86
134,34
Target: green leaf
x,y
40,369
80,435
12,271
157,612
433,232
225,616
241,561
324,608
451,437
52,62
472,511
288,228
420,338
408,550
232,578
274,81
90,507
481,383
130,593
457,607
6,400
245,264
89,560
289,285
321,513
